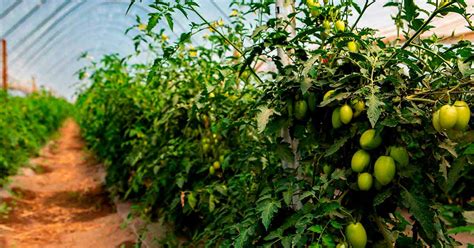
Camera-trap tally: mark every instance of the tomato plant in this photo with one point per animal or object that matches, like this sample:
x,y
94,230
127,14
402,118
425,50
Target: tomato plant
x,y
25,125
329,148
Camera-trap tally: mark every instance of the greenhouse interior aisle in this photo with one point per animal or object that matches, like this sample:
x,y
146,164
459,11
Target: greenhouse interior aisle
x,y
63,204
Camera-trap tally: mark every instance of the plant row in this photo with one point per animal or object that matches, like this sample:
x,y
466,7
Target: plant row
x,y
26,123
347,140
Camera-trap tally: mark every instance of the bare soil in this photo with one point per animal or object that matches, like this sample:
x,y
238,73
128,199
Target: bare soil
x,y
62,202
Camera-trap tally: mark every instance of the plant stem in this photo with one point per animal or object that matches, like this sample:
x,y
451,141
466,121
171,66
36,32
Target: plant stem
x,y
227,40
366,5
419,31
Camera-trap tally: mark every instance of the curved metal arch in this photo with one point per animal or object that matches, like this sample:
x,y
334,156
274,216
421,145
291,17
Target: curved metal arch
x,y
39,26
23,19
53,70
58,38
9,9
70,60
77,48
60,21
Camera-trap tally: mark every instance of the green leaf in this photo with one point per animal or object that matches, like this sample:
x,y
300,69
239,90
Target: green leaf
x,y
381,197
461,229
192,200
263,117
283,151
212,203
409,9
305,85
169,19
267,209
336,146
469,150
244,235
374,110
152,21
420,209
316,229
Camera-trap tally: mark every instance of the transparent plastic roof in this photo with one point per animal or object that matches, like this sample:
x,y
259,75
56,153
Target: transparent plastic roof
x,y
46,37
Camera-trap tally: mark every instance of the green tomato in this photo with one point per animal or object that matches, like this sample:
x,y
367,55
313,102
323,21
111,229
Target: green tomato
x,y
384,169
327,169
206,147
448,116
364,181
326,25
340,25
312,102
289,107
464,114
345,114
342,245
221,158
356,235
336,119
301,107
216,165
435,121
312,4
370,140
360,160
328,94
352,46
212,170
400,155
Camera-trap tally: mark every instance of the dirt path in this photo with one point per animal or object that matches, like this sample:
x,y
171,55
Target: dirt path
x,y
63,204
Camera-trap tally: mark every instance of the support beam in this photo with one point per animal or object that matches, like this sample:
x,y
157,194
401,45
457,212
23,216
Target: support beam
x,y
5,65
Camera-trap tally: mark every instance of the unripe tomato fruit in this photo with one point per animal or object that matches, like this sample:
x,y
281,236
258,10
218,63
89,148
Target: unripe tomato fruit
x,y
327,169
289,107
435,121
448,116
360,160
345,114
400,155
370,140
206,147
326,25
312,102
212,170
221,158
328,94
352,46
336,119
301,107
312,4
464,114
364,181
356,235
216,165
359,105
342,245
340,25
384,169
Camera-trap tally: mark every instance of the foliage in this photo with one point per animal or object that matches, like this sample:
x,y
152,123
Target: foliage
x,y
25,124
286,177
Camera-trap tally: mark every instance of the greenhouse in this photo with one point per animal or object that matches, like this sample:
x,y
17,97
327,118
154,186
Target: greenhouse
x,y
236,123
